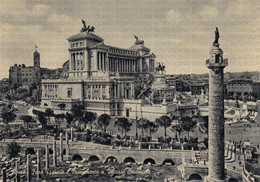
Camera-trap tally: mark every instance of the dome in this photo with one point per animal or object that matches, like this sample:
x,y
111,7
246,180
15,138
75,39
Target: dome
x,y
85,35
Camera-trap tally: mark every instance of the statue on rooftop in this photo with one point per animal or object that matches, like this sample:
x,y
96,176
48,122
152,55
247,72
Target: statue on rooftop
x,y
216,36
137,42
86,28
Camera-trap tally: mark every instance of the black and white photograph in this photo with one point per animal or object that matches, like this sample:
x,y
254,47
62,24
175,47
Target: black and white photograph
x,y
129,90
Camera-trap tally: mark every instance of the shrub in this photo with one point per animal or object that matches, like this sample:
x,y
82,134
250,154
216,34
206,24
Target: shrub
x,y
102,140
13,149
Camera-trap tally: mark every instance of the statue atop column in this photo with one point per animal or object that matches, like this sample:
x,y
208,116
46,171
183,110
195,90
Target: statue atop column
x,y
86,28
216,36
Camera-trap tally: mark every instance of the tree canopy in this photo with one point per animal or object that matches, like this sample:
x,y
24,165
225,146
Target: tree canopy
x,y
13,149
164,121
151,127
8,115
142,124
103,121
27,119
123,125
90,117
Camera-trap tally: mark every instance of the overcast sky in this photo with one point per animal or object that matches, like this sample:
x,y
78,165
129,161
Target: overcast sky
x,y
180,33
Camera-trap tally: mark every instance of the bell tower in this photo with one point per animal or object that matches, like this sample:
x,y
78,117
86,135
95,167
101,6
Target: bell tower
x,y
216,65
36,59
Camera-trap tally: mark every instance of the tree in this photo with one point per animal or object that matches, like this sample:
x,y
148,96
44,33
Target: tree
x,y
206,122
188,124
123,125
58,118
49,113
27,119
62,106
164,121
90,117
178,129
103,121
175,115
77,112
8,115
231,94
141,124
42,118
151,127
69,119
13,149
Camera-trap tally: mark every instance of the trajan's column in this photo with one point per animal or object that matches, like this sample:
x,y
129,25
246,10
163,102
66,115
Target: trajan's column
x,y
216,65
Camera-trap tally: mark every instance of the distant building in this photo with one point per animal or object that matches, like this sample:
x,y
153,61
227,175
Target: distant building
x,y
26,75
240,86
197,86
175,82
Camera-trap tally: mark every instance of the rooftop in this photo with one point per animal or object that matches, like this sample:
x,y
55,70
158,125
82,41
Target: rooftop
x,y
85,35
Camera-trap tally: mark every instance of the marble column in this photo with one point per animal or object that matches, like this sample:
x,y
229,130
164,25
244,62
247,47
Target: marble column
x,y
71,134
47,158
17,168
76,61
118,90
122,90
100,61
100,91
66,137
38,164
29,168
132,91
103,61
91,91
54,154
4,174
107,92
61,147
97,53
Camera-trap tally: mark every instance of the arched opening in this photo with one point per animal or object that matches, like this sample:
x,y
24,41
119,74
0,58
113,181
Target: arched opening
x,y
195,177
45,104
30,151
149,161
93,158
50,151
129,159
232,180
111,159
64,152
76,157
168,162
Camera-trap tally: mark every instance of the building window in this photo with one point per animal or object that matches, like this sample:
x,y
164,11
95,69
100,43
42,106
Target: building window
x,y
69,92
127,113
